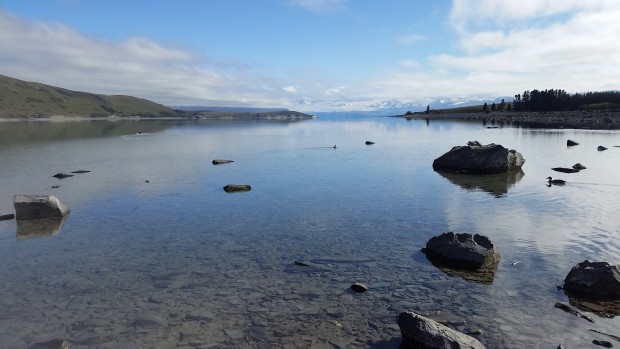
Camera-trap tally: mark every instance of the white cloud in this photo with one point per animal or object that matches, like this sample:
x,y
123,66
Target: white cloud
x,y
409,63
290,89
320,6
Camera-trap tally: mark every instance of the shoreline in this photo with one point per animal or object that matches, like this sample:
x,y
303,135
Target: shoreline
x,y
581,119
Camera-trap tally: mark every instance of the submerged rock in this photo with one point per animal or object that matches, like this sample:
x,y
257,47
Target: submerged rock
x,y
565,169
233,188
601,148
597,280
465,251
490,158
421,332
52,344
38,206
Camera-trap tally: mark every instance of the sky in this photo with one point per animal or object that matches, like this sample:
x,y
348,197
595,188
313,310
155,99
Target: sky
x,y
312,55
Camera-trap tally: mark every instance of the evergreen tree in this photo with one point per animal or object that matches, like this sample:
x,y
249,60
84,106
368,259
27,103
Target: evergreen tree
x,y
485,107
428,109
493,107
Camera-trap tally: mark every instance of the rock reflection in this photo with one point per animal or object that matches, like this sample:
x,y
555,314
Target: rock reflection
x,y
494,184
483,275
38,228
604,309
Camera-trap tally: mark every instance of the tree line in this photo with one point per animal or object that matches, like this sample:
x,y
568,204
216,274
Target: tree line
x,y
554,100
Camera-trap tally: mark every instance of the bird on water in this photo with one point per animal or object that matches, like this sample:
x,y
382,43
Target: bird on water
x,y
556,181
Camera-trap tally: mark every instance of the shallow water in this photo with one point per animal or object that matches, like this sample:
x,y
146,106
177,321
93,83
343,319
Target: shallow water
x,y
177,262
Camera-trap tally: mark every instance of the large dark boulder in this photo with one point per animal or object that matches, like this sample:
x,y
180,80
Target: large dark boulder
x,y
421,332
465,251
490,158
596,280
38,206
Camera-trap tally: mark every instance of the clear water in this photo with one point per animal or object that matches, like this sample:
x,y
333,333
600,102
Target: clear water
x,y
178,262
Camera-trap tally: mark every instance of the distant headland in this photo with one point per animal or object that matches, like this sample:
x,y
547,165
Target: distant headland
x,y
24,100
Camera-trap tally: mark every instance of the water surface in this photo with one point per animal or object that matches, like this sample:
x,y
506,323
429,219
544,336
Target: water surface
x,y
177,262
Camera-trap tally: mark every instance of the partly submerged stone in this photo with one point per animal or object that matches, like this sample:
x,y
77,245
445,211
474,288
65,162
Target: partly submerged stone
x,y
597,280
233,188
38,206
58,343
462,250
490,158
570,143
220,161
61,175
421,332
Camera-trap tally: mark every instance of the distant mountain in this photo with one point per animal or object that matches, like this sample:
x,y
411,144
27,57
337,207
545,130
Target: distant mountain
x,y
200,108
22,99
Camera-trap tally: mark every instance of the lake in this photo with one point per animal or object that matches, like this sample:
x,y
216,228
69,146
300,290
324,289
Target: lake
x,y
155,254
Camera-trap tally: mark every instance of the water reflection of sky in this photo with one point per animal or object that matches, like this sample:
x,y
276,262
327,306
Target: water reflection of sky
x,y
380,203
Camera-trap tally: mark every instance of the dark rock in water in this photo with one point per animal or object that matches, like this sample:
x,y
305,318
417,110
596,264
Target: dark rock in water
x,y
6,217
565,169
219,162
601,148
55,186
61,175
579,166
80,171
53,344
38,206
570,143
490,158
369,143
474,144
421,332
233,188
302,264
359,287
595,280
605,344
463,251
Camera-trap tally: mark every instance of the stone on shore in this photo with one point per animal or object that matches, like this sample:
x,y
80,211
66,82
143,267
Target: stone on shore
x,y
490,158
38,206
595,280
233,188
220,161
464,251
421,332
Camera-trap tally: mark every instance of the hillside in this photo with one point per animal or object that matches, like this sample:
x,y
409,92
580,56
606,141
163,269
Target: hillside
x,y
22,99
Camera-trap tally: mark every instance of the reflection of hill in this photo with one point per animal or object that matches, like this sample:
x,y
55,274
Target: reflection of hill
x,y
483,276
37,228
494,184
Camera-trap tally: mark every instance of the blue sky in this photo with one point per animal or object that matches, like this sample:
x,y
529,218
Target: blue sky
x,y
312,55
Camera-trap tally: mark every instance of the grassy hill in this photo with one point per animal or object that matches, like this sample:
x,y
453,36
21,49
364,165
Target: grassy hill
x,y
22,99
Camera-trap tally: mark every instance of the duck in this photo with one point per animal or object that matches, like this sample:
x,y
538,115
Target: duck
x,y
556,181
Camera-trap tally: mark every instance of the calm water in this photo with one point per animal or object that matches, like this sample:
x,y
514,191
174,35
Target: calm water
x,y
177,262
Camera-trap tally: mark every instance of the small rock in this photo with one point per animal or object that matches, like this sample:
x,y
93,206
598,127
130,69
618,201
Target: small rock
x,y
579,166
369,143
38,206
6,217
570,143
233,188
359,287
462,250
601,148
55,186
605,344
80,171
598,280
61,175
421,332
219,162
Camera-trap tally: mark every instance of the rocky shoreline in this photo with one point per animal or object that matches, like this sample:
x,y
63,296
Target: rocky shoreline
x,y
582,119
